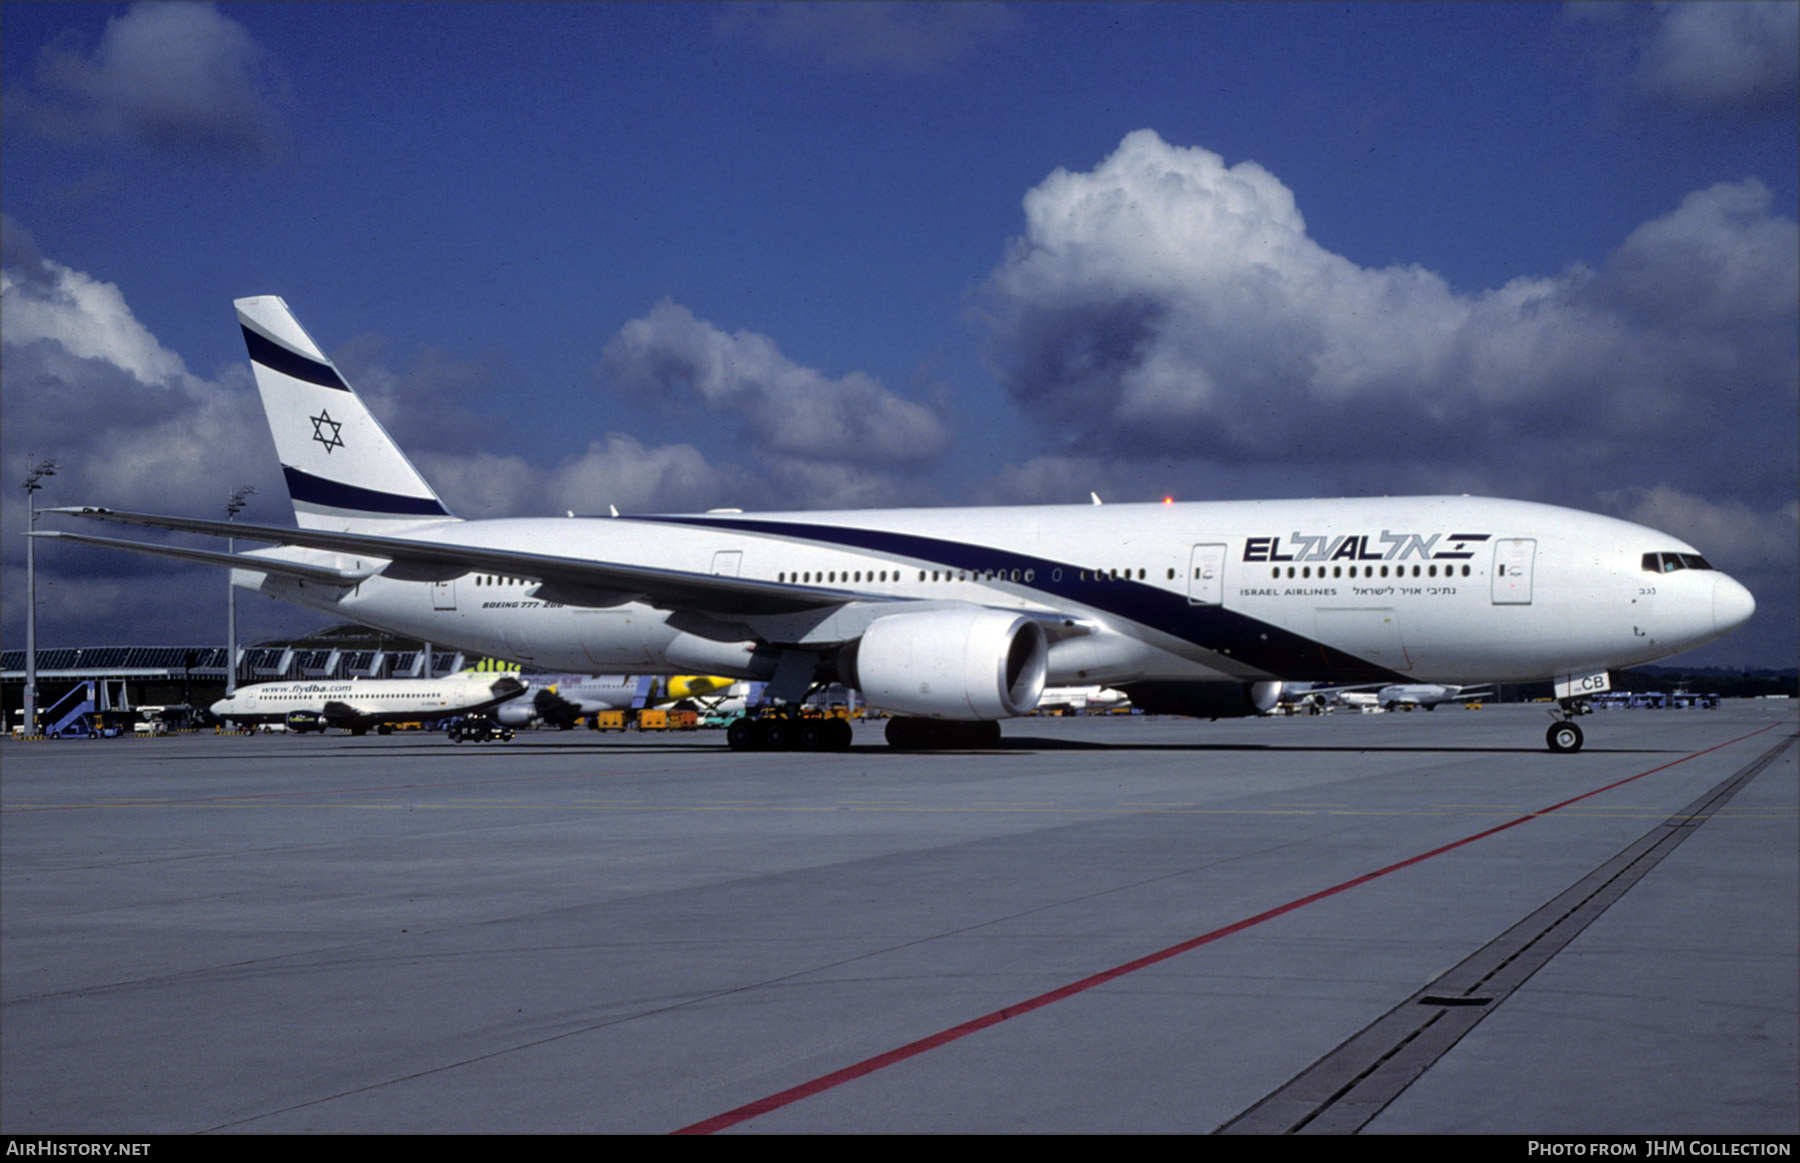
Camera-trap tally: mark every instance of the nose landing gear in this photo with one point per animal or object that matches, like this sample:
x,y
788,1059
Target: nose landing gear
x,y
1565,735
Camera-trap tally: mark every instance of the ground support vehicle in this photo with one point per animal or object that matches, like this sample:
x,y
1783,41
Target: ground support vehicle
x,y
479,729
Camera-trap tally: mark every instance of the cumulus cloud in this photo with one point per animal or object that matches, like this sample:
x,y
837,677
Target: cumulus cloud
x,y
1737,54
1735,262
1052,479
86,320
181,77
1169,323
622,472
790,412
895,36
85,383
615,470
1167,304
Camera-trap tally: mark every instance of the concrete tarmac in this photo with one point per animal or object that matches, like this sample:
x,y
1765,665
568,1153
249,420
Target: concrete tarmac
x,y
1390,923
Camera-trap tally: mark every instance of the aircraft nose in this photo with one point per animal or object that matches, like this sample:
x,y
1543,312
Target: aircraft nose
x,y
1732,604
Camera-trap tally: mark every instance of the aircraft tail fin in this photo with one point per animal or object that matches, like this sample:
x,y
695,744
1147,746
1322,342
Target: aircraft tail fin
x,y
344,472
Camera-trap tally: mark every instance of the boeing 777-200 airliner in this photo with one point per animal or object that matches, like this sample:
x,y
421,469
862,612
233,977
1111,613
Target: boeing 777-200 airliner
x,y
954,619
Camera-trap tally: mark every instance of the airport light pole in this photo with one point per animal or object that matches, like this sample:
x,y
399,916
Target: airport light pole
x,y
233,507
35,471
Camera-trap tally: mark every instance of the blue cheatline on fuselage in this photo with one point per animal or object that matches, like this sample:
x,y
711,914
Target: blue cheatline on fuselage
x,y
1255,643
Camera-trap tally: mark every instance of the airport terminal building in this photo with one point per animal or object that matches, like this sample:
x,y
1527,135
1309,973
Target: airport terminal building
x,y
132,676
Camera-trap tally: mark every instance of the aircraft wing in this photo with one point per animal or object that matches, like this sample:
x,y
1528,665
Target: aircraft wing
x,y
573,581
297,569
570,580
1339,690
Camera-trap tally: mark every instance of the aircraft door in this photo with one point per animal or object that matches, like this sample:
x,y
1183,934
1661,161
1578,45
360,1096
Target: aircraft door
x,y
1513,558
727,562
1206,576
443,594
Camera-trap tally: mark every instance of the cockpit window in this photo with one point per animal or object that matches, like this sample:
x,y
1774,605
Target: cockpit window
x,y
1670,562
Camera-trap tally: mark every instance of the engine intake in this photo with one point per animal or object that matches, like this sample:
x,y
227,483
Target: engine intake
x,y
963,664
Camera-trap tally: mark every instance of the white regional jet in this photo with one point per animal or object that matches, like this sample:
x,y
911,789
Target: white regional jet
x,y
358,704
1407,695
1429,695
1360,700
1079,699
949,618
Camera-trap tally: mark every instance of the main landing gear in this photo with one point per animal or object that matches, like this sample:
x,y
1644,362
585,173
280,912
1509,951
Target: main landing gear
x,y
781,731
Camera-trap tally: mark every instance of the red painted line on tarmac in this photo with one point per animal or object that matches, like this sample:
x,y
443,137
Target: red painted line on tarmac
x,y
868,1066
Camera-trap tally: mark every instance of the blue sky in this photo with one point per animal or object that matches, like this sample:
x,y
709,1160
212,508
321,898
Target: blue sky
x,y
670,256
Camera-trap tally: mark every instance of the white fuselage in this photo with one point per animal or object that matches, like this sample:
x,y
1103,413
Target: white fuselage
x,y
1082,698
366,700
1427,695
1428,589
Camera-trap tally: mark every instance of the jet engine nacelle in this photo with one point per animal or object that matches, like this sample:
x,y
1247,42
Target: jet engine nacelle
x,y
1204,700
543,706
964,664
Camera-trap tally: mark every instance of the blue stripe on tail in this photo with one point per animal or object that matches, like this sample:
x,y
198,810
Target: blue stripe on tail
x,y
275,357
306,488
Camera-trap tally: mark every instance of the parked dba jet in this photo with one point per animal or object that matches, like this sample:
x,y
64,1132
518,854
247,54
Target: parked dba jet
x,y
955,619
361,703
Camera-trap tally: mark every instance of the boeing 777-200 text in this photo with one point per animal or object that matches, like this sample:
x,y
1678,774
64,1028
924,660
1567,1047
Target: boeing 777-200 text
x,y
955,619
